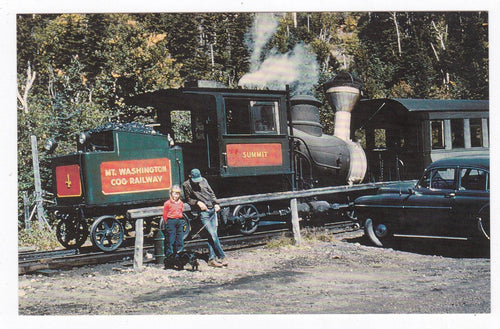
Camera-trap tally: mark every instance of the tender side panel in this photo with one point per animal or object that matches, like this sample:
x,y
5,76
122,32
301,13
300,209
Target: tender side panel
x,y
68,181
131,176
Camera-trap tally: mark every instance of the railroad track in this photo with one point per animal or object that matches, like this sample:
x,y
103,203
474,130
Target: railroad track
x,y
48,261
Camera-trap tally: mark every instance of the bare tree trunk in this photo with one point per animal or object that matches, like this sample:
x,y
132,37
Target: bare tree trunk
x,y
435,52
397,31
441,35
30,78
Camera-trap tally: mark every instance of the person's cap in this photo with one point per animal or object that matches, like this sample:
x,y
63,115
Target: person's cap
x,y
196,175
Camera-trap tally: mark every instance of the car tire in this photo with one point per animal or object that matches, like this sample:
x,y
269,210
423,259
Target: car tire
x,y
378,233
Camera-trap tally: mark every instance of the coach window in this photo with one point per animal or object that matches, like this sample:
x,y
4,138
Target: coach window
x,y
264,117
437,134
486,132
457,133
476,133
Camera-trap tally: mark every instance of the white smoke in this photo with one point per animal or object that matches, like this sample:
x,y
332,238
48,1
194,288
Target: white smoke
x,y
263,28
297,68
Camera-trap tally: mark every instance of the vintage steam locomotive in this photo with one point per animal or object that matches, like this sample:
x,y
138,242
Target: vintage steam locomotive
x,y
243,141
249,142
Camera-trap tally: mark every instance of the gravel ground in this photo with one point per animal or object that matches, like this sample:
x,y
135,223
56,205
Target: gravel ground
x,y
338,274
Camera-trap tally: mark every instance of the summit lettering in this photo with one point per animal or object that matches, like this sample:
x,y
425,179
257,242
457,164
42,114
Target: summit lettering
x,y
257,154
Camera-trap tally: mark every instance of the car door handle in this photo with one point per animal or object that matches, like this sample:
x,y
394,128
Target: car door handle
x,y
451,195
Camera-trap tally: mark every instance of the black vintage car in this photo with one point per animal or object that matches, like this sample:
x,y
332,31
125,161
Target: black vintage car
x,y
450,201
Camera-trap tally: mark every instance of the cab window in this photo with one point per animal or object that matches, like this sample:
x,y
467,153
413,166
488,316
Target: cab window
x,y
264,117
181,126
237,116
245,116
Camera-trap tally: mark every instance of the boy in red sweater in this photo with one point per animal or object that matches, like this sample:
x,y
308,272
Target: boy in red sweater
x,y
173,223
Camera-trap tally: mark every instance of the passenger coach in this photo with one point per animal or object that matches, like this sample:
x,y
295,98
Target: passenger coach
x,y
403,136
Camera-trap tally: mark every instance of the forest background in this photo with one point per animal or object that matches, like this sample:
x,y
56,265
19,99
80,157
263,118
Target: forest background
x,y
75,70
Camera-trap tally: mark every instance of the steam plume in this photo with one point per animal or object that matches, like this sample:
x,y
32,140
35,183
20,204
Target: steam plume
x,y
297,68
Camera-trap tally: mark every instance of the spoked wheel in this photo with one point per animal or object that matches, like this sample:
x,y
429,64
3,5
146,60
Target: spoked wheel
x,y
248,217
378,233
107,233
72,234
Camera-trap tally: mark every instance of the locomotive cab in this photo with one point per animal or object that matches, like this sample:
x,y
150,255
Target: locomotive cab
x,y
231,135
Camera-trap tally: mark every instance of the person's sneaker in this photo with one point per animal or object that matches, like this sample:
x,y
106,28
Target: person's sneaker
x,y
214,263
223,261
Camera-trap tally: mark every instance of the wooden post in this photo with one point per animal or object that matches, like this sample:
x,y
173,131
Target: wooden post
x,y
295,221
139,241
38,183
27,224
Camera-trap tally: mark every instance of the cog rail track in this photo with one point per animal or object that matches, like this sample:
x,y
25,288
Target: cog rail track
x,y
32,262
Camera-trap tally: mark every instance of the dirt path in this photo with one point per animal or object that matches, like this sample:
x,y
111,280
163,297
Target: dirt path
x,y
341,275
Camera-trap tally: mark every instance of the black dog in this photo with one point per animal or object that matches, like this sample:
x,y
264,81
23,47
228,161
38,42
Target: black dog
x,y
181,259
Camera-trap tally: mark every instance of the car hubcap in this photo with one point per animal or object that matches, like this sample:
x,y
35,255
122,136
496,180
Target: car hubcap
x,y
381,230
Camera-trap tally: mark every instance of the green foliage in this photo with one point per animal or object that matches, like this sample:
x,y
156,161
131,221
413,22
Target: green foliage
x,y
282,241
39,237
309,235
443,55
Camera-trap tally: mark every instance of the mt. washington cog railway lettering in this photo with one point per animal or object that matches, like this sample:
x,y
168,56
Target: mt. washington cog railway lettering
x,y
135,175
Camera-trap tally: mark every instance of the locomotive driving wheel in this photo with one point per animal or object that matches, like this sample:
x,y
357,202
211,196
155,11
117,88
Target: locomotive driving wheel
x,y
248,217
72,233
107,233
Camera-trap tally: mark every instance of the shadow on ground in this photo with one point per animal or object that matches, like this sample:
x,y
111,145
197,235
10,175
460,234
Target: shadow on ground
x,y
453,249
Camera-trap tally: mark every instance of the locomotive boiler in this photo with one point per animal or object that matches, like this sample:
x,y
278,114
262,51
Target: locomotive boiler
x,y
323,159
244,141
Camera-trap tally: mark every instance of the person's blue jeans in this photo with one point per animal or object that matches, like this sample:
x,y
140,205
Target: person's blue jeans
x,y
214,247
174,236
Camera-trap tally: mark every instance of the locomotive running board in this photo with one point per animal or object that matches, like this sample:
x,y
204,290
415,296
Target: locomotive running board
x,y
256,198
266,197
